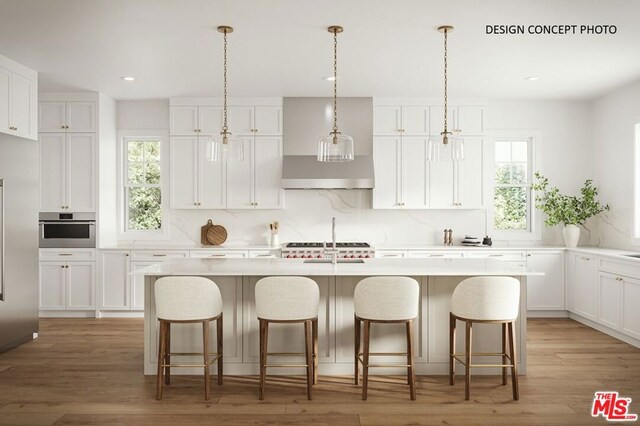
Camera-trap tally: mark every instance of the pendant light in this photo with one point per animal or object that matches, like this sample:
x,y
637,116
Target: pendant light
x,y
226,147
447,146
335,147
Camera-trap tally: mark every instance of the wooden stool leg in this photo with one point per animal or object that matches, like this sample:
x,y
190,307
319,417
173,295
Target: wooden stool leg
x,y
219,341
167,356
514,362
315,350
365,358
264,335
357,351
308,344
504,352
205,356
411,375
452,349
161,345
467,359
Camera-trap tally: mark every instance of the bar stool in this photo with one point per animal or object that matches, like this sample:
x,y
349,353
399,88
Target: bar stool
x,y
288,300
492,300
187,300
384,300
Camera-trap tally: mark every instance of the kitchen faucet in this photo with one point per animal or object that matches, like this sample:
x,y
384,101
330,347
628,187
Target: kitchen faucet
x,y
334,250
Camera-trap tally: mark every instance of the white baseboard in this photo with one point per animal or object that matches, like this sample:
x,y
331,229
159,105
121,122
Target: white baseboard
x,y
120,314
606,330
547,314
67,314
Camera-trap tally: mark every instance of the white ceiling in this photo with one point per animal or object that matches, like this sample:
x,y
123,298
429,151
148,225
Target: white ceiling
x,y
281,47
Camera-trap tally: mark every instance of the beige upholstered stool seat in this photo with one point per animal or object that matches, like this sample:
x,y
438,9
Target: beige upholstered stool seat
x,y
187,300
288,300
493,300
384,300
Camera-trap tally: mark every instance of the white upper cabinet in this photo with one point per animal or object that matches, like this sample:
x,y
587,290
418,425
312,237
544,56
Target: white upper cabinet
x,y
184,120
18,99
406,120
52,172
469,182
386,166
211,179
75,116
267,169
436,119
240,179
240,120
210,120
443,181
414,175
470,120
268,121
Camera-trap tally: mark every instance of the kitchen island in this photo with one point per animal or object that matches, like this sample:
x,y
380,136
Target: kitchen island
x,y
236,279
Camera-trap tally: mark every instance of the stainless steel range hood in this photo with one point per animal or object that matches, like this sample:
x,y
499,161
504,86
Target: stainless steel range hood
x,y
305,120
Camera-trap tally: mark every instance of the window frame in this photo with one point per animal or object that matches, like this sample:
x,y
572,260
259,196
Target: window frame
x,y
635,220
123,137
535,219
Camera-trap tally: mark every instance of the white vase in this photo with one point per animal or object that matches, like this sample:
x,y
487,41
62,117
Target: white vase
x,y
571,235
275,241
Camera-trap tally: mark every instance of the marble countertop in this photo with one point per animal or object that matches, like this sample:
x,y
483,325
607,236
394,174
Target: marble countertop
x,y
268,267
608,252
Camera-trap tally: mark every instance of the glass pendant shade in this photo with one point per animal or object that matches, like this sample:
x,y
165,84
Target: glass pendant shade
x,y
335,148
230,149
438,150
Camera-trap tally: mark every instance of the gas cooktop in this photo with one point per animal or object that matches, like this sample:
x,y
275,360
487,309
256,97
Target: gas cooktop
x,y
354,245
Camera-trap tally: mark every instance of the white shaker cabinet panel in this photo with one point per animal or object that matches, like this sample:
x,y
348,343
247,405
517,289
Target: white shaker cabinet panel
x,y
184,172
470,191
5,93
137,286
81,285
586,292
114,280
211,179
386,158
267,179
630,303
52,286
546,292
268,121
610,300
240,120
436,119
80,165
52,117
415,173
210,121
470,120
442,181
239,176
52,172
387,120
415,121
22,104
184,121
81,117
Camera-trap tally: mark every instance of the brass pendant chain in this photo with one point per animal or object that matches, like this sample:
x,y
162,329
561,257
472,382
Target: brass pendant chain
x,y
224,127
335,83
445,82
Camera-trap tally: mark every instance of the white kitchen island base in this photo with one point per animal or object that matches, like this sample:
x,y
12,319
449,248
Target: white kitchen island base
x,y
236,280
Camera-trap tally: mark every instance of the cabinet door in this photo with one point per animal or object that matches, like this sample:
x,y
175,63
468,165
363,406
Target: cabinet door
x,y
81,284
546,292
415,121
80,152
184,121
52,286
391,254
20,113
210,121
81,117
212,184
268,121
436,119
239,179
241,121
386,160
52,117
52,172
415,173
442,181
470,181
387,120
184,172
610,310
267,179
630,311
435,254
137,286
5,93
470,120
586,292
114,280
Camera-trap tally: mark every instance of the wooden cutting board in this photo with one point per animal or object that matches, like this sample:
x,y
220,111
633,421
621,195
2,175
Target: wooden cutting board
x,y
203,233
216,235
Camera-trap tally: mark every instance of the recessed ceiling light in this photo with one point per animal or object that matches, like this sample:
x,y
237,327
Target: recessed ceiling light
x,y
532,78
128,78
330,78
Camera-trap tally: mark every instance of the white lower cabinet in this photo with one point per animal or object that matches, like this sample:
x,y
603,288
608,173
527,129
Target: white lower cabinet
x,y
585,288
137,286
219,254
115,282
390,254
435,254
67,286
546,293
630,303
610,300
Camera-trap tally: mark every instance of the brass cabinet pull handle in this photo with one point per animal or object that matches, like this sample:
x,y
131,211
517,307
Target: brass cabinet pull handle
x,y
159,255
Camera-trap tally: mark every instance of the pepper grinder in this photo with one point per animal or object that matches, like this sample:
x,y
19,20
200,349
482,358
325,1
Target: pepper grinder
x,y
450,238
446,237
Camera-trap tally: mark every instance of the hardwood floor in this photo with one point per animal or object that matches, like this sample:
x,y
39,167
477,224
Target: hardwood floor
x,y
87,372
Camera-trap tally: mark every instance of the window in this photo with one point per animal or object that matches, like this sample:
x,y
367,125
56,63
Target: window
x,y
143,210
636,166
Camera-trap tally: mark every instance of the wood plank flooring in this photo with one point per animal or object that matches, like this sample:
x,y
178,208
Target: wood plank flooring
x,y
89,372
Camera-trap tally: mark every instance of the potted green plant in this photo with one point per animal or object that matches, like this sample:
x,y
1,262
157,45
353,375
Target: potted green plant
x,y
568,210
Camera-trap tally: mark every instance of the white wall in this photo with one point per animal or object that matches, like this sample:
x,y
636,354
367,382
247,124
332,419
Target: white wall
x,y
565,133
614,119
